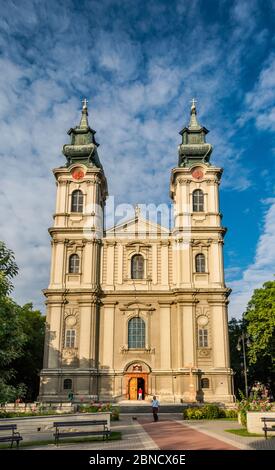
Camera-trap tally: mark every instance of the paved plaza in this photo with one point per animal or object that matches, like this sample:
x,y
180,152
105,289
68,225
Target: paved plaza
x,y
170,433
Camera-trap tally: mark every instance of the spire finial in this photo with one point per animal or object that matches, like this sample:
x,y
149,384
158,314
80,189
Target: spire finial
x,y
84,103
137,210
193,107
84,118
193,119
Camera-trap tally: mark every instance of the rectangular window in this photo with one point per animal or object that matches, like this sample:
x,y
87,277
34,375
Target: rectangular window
x,y
70,339
203,338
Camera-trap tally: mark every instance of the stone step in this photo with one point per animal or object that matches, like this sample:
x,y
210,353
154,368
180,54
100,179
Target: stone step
x,y
146,408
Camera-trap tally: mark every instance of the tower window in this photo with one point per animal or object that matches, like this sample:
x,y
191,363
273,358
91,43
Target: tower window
x,y
70,338
77,201
205,383
67,384
136,333
74,264
137,267
198,201
200,263
203,338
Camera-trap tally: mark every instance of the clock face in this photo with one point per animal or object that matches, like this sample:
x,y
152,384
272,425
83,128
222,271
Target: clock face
x,y
78,174
197,173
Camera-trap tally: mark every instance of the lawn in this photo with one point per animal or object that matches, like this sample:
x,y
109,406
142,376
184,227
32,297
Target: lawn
x,y
243,432
114,436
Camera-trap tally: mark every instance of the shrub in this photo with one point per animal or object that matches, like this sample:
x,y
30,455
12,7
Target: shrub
x,y
97,408
209,411
192,413
231,413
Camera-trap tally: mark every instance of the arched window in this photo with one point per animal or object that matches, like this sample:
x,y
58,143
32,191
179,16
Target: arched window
x,y
200,263
137,267
203,338
77,201
136,333
205,383
198,205
74,264
70,338
67,384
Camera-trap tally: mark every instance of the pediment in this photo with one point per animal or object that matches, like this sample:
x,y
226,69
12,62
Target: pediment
x,y
137,227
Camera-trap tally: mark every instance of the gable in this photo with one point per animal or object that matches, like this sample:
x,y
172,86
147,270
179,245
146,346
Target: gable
x,y
137,228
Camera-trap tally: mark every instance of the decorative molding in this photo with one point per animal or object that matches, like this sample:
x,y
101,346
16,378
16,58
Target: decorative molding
x,y
204,352
165,242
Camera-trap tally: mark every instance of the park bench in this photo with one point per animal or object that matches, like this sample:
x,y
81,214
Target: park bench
x,y
14,436
103,424
266,427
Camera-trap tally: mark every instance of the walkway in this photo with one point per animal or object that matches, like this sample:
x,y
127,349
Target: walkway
x,y
172,435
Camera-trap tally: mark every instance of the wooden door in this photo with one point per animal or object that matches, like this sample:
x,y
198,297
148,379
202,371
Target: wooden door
x,y
133,388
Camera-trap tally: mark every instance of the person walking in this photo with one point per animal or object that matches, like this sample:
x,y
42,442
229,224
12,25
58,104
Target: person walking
x,y
140,393
155,408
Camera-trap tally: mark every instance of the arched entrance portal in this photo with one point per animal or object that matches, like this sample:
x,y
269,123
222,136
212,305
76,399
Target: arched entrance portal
x,y
136,377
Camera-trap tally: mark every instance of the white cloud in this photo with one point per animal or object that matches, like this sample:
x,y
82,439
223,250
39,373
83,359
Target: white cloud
x,y
138,101
260,271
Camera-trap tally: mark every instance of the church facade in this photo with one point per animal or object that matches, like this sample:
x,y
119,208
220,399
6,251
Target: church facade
x,y
137,306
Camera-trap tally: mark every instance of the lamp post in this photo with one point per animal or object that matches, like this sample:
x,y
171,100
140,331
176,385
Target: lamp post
x,y
242,341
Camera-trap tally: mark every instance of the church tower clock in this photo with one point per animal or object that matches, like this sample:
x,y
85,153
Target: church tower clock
x,y
71,346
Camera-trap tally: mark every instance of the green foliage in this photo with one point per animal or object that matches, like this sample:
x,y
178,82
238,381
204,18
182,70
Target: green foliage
x,y
260,319
235,330
243,432
251,404
8,269
21,338
231,414
99,407
209,411
28,365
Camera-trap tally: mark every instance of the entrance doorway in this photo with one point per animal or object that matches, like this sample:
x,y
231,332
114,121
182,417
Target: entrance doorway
x,y
136,383
140,385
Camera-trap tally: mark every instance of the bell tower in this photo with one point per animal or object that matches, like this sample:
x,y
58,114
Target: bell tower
x,y
73,295
198,271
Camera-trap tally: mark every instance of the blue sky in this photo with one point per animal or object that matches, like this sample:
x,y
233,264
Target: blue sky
x,y
139,64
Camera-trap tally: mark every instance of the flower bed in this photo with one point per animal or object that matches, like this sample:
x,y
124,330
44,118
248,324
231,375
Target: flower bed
x,y
100,407
252,404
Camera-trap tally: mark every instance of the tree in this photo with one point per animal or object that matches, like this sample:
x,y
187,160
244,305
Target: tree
x,y
260,324
8,269
235,330
11,336
28,365
260,320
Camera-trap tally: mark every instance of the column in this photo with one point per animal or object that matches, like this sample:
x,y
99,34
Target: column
x,y
54,335
189,334
219,334
88,340
120,263
165,335
110,262
154,263
164,262
107,359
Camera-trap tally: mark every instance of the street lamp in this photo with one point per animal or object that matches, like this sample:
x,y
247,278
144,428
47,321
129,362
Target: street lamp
x,y
242,341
